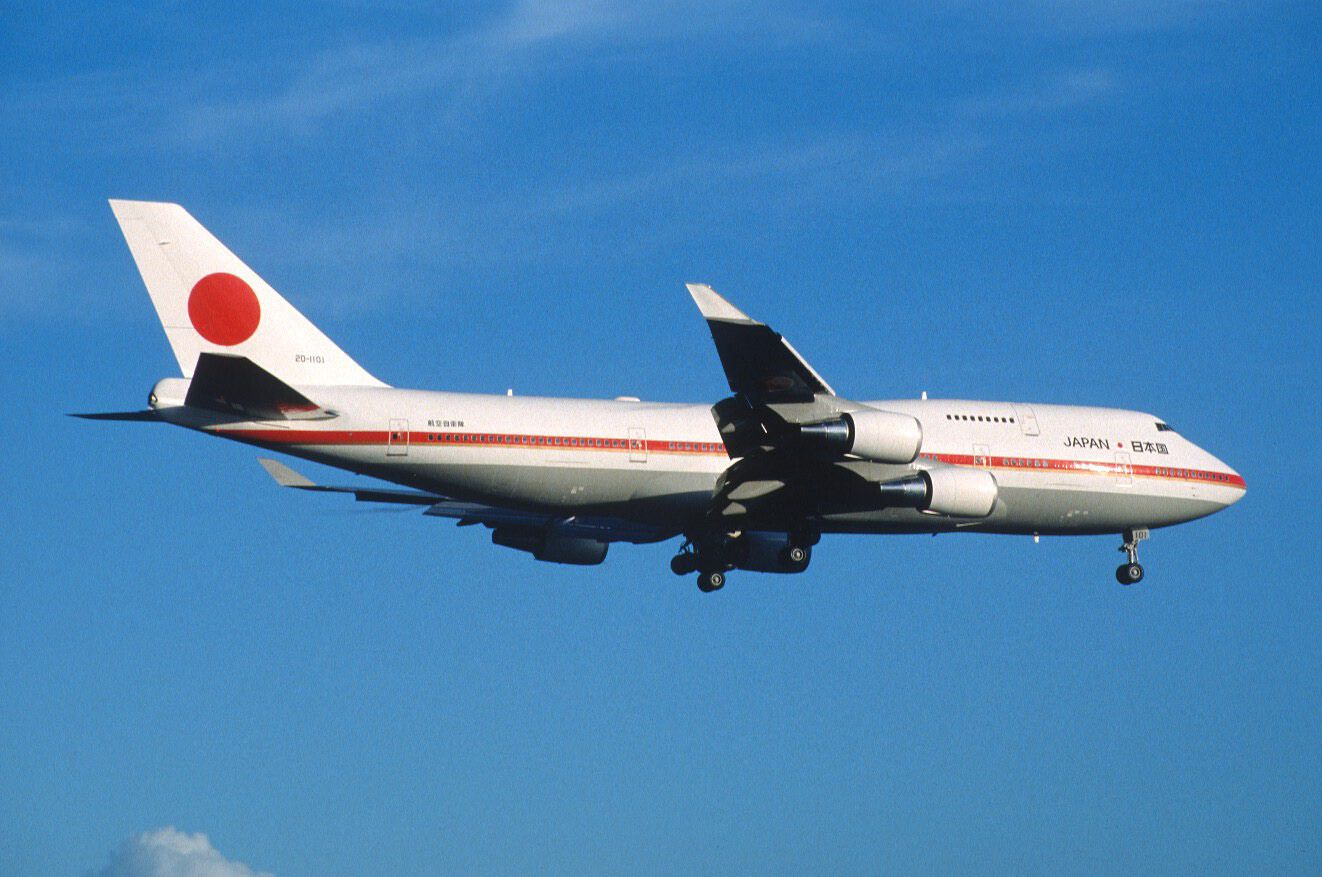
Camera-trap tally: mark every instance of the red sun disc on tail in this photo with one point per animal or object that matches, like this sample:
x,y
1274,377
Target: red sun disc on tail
x,y
223,309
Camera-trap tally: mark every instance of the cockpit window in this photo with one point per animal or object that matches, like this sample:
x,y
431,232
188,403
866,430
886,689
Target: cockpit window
x,y
1161,427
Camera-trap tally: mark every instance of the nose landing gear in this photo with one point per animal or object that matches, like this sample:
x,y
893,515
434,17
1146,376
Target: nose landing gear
x,y
1131,572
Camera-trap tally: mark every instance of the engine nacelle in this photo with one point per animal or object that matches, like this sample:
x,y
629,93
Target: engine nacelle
x,y
881,436
768,552
960,492
551,547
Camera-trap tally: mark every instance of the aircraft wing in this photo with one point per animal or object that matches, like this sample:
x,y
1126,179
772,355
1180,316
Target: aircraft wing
x,y
797,447
759,363
600,528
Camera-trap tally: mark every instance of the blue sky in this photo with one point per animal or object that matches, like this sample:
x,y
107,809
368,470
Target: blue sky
x,y
1053,201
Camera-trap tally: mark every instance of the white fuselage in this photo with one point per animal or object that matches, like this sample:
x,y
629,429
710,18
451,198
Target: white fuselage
x,y
1059,469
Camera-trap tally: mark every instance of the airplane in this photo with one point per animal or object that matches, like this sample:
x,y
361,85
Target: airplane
x,y
751,482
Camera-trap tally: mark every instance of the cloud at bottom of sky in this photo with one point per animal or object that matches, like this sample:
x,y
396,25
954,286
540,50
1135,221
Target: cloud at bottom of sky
x,y
169,852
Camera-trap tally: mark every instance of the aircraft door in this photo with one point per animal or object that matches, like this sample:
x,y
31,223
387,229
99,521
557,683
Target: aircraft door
x,y
1027,419
1124,472
397,439
982,456
637,445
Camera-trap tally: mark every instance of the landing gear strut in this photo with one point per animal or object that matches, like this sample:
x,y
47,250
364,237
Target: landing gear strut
x,y
1131,573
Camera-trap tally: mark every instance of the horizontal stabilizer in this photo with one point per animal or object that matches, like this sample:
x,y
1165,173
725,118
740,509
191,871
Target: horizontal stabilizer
x,y
287,477
237,385
147,414
283,475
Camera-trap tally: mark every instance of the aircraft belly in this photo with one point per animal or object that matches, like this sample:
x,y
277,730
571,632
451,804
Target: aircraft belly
x,y
1059,509
1048,510
572,484
642,493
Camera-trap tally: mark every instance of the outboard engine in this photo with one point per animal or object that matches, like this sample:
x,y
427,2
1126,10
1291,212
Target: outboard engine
x,y
551,547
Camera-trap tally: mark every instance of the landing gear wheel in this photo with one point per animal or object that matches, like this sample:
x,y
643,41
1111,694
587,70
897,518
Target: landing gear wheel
x,y
795,558
1129,574
712,580
683,563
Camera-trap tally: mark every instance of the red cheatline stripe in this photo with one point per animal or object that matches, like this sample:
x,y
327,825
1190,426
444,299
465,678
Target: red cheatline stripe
x,y
511,441
1095,467
616,444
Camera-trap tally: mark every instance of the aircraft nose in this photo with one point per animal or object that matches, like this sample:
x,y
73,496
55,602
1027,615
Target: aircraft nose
x,y
1236,486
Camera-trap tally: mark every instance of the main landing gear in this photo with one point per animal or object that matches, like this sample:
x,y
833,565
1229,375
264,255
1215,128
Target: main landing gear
x,y
1131,573
711,563
711,580
711,557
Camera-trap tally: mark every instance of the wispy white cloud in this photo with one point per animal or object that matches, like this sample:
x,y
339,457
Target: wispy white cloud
x,y
461,70
1066,90
932,151
890,161
216,108
458,70
168,852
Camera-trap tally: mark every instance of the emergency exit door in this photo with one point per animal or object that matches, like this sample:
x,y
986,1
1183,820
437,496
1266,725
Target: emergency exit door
x,y
637,445
397,439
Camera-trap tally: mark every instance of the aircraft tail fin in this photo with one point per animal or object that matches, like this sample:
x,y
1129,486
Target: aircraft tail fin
x,y
209,301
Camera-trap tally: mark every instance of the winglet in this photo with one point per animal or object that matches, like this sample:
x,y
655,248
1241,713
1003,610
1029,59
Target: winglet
x,y
283,475
713,306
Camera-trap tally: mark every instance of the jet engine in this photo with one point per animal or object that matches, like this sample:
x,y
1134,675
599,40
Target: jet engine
x,y
881,436
961,493
551,547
